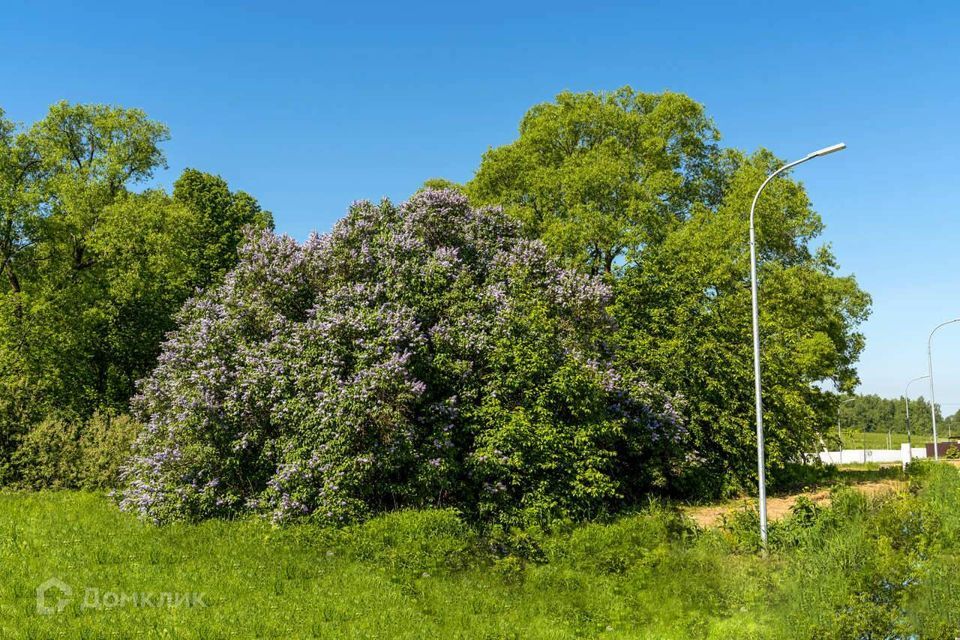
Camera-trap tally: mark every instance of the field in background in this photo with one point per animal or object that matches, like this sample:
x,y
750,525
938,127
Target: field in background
x,y
880,440
851,567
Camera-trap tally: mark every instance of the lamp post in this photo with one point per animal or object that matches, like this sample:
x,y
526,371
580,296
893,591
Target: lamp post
x,y
933,400
906,402
761,474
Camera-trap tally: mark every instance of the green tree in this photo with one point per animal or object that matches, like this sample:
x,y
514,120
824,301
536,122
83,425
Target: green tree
x,y
146,268
221,215
874,413
20,217
684,312
439,184
93,272
598,174
636,186
89,156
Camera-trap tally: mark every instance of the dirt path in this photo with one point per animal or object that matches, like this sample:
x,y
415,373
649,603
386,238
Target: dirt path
x,y
779,506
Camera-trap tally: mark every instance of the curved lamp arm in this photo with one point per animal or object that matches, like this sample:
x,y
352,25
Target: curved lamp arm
x,y
790,165
761,466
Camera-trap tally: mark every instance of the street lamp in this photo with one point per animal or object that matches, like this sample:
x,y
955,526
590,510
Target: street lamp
x,y
933,400
761,480
906,402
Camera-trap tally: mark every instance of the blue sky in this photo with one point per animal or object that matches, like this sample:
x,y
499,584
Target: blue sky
x,y
308,107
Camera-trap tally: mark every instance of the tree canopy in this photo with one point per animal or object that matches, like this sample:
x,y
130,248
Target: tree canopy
x,y
637,186
560,336
684,312
598,175
875,414
93,270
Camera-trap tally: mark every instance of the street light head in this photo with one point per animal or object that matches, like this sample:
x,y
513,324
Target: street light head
x,y
828,150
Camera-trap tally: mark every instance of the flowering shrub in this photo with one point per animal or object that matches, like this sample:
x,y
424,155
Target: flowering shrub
x,y
418,355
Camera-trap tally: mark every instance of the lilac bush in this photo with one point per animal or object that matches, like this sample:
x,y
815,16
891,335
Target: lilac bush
x,y
425,354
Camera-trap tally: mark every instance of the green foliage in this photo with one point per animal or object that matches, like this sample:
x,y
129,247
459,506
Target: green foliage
x,y
440,184
597,175
798,476
684,311
742,529
419,355
860,567
871,413
49,455
220,216
106,441
618,546
62,453
92,271
636,185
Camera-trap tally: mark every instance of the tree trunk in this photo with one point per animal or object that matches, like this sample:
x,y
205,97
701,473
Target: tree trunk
x,y
15,288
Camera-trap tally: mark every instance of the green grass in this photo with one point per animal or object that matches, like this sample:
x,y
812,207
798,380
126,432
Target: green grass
x,y
887,567
878,440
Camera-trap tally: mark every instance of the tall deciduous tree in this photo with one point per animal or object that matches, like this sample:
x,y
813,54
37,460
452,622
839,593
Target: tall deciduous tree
x,y
636,185
93,272
90,156
19,173
19,221
221,215
595,175
684,311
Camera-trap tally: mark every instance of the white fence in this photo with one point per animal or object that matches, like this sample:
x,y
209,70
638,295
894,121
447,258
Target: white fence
x,y
902,455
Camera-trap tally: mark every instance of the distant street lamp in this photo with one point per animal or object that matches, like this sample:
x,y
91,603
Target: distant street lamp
x,y
933,400
906,402
761,480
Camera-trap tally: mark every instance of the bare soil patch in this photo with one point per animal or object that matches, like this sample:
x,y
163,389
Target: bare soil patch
x,y
779,506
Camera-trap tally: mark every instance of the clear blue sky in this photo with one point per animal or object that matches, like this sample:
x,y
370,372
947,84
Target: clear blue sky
x,y
309,107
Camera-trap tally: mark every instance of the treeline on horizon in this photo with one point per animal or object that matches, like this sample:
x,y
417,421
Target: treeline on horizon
x,y
562,336
873,413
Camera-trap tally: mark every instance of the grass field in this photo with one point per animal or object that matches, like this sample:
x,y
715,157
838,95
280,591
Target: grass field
x,y
885,566
880,440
